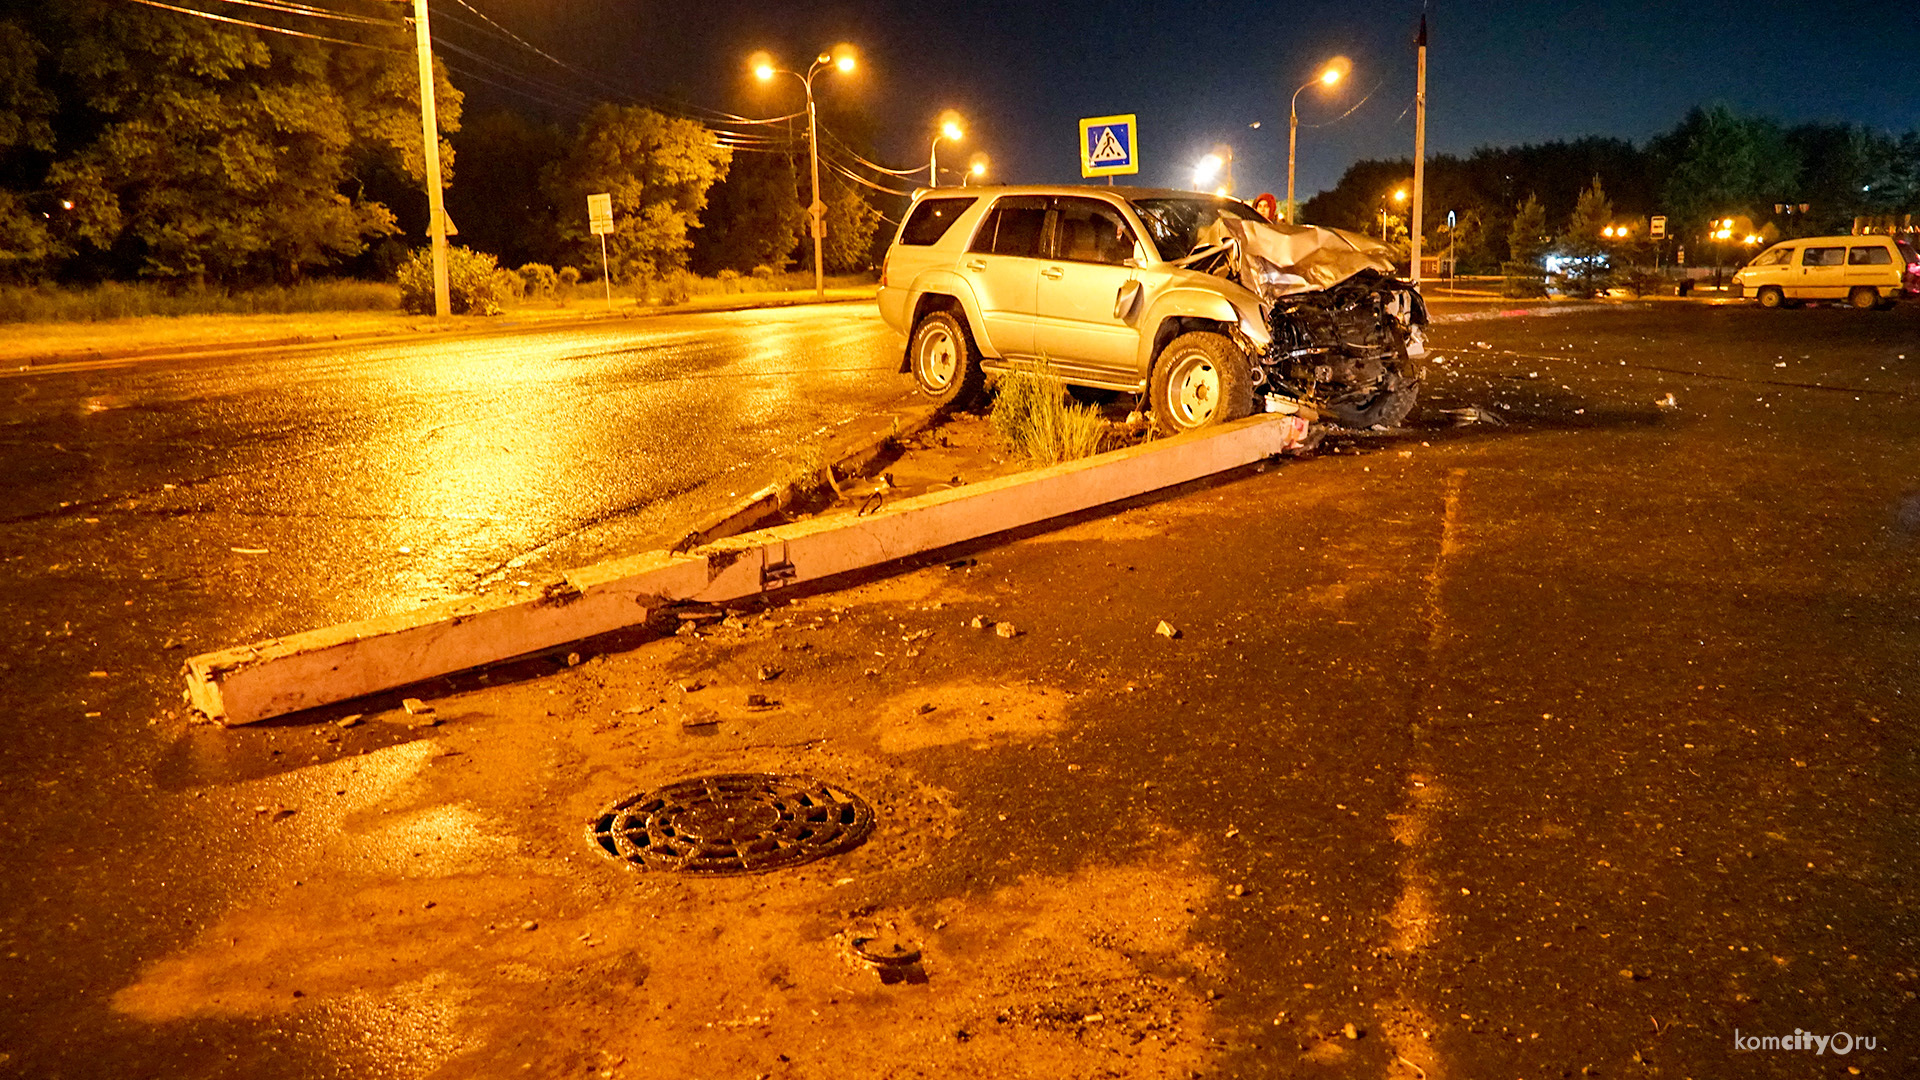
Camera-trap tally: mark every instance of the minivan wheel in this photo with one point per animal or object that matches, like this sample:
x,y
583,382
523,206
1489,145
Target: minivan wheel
x,y
1771,297
1864,298
1201,380
944,363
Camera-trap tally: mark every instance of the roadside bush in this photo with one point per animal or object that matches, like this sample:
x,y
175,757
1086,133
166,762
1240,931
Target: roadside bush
x,y
1037,421
569,276
729,281
539,280
1523,279
763,274
1640,283
118,300
475,283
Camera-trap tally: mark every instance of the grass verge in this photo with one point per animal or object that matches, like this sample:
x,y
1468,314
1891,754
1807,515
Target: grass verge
x,y
1036,420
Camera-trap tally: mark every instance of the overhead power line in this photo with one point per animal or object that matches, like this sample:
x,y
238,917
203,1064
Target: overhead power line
x,y
264,26
310,11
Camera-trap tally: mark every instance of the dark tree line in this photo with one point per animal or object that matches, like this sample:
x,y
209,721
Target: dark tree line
x,y
138,143
1716,164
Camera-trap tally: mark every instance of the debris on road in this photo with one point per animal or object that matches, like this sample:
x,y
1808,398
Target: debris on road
x,y
1006,630
1668,402
1473,414
350,720
768,674
1166,630
416,707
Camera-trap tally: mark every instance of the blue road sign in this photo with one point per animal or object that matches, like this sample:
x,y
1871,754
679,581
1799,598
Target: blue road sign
x,y
1109,146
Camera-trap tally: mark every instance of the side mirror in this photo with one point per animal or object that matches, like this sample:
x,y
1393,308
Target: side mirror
x,y
1126,300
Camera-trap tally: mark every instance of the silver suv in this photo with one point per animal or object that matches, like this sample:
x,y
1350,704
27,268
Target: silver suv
x,y
1192,300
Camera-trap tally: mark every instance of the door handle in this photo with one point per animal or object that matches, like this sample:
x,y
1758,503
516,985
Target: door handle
x,y
977,264
1053,273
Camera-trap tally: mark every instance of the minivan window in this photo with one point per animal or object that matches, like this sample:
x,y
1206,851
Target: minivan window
x,y
1013,227
932,218
1869,256
1774,256
1833,256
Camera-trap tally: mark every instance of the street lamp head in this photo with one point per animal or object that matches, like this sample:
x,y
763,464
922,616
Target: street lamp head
x,y
1400,196
761,64
1337,69
843,57
978,166
1208,168
952,128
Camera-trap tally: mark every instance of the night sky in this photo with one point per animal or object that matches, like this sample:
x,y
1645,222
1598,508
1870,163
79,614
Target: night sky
x,y
1198,75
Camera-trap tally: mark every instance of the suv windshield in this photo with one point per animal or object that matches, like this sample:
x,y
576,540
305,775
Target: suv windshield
x,y
1176,224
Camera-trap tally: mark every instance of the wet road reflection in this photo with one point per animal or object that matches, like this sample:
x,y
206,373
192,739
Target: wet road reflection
x,y
153,512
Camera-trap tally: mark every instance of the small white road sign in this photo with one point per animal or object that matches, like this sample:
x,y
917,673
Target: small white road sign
x,y
600,213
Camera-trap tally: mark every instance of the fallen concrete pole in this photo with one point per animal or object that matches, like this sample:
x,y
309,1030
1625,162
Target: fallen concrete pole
x,y
320,667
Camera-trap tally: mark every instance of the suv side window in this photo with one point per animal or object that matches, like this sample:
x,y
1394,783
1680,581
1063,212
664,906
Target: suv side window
x,y
932,218
1775,257
1015,226
1874,255
1089,230
1829,256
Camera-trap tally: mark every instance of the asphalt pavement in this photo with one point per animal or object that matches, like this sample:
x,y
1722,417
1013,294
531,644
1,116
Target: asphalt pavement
x,y
1561,734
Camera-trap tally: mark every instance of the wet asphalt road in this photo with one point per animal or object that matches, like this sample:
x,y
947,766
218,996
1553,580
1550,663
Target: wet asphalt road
x,y
1565,746
155,511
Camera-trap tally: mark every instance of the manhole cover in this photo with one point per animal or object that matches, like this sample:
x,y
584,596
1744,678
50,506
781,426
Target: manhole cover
x,y
740,823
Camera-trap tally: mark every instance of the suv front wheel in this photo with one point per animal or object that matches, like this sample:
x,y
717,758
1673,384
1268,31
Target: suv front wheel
x,y
944,365
1201,379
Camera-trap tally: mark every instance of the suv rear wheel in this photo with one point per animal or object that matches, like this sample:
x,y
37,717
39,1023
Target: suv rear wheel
x,y
1201,380
1865,298
944,364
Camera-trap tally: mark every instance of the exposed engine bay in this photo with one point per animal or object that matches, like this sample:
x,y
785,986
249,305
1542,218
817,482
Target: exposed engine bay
x,y
1346,333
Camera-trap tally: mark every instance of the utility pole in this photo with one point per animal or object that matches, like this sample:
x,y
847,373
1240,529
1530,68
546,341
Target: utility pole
x,y
430,134
1419,148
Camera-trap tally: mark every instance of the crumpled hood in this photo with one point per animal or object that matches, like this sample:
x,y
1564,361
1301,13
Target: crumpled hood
x,y
1277,260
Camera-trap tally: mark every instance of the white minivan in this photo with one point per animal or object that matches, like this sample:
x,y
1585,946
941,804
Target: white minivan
x,y
1865,271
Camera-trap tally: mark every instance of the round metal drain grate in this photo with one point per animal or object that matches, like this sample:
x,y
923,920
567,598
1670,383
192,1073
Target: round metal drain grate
x,y
739,823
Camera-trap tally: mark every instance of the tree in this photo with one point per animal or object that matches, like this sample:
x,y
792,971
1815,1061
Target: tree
x,y
1526,240
500,203
26,239
1583,249
658,170
754,218
1723,165
195,151
851,223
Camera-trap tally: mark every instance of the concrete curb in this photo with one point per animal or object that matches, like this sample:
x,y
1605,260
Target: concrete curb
x,y
849,463
319,667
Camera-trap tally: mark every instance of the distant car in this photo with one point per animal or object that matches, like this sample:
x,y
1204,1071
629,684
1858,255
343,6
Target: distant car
x,y
1194,301
1865,271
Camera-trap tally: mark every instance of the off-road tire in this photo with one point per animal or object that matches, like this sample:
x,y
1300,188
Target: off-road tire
x,y
1771,297
1200,380
1864,298
945,364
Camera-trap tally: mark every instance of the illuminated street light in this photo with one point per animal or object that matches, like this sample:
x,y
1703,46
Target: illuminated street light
x,y
841,58
1336,69
951,130
976,169
1207,171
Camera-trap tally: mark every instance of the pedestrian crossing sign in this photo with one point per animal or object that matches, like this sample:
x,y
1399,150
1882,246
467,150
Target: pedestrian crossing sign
x,y
1108,146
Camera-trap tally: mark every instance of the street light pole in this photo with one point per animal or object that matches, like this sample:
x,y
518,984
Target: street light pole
x,y
842,58
1419,151
1336,70
430,135
816,210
